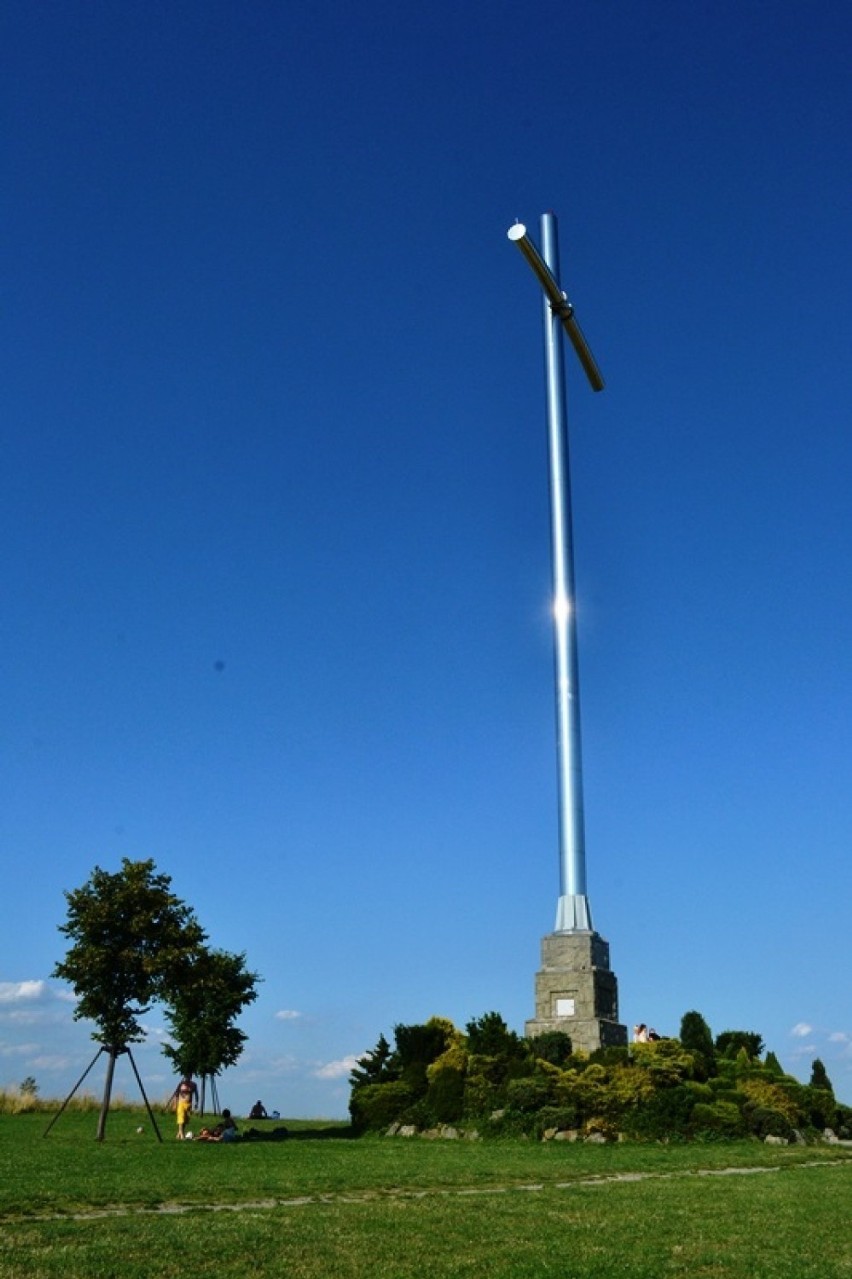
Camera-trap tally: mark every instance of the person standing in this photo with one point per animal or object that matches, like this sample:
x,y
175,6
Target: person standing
x,y
184,1097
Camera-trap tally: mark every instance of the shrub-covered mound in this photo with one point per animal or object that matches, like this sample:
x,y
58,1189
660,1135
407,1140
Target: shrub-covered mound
x,y
493,1080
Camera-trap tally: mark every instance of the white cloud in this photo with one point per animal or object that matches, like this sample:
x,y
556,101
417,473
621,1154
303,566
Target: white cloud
x,y
259,1069
288,1014
18,1050
156,1034
337,1069
54,1062
801,1030
19,992
838,1037
25,1017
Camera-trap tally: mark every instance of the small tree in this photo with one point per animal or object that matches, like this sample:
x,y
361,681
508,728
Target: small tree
x,y
134,942
695,1035
489,1036
373,1067
202,1013
729,1043
819,1077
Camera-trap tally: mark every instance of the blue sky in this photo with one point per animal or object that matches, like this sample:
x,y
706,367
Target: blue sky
x,y
273,500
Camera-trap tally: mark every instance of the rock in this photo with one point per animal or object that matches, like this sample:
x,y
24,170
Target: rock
x,y
830,1136
393,1130
567,1134
549,1134
798,1138
596,1139
449,1133
771,1140
407,1130
496,1116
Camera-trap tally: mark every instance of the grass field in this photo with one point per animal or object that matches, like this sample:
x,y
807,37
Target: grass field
x,y
323,1205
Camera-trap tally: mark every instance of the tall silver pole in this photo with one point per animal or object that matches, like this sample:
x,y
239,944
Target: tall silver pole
x,y
573,913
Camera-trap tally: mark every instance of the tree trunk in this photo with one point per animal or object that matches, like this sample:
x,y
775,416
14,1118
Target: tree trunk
x,y
102,1117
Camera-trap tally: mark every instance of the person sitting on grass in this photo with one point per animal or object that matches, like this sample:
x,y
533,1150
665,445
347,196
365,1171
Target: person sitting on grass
x,y
226,1130
258,1111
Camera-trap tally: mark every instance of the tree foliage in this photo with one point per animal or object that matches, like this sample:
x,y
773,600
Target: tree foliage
x,y
819,1076
662,1090
202,1014
133,942
731,1042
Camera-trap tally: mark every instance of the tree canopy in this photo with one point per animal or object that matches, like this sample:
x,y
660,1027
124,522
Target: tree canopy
x,y
203,1012
133,943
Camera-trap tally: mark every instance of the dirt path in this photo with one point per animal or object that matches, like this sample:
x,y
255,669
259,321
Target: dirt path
x,y
400,1192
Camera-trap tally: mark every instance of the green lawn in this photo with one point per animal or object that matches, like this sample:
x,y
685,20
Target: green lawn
x,y
392,1208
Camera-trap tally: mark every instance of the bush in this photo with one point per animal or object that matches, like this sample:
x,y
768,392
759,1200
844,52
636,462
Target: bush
x,y
562,1118
553,1046
722,1119
375,1106
767,1123
444,1098
667,1114
614,1055
730,1042
527,1095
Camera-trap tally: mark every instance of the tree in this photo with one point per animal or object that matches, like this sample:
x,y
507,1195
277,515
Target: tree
x,y
695,1035
373,1067
133,943
553,1046
489,1036
203,1011
819,1077
729,1043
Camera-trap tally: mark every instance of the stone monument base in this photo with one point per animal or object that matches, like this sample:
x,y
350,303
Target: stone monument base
x,y
576,992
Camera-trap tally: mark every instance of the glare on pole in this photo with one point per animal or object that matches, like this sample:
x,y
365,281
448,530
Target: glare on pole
x,y
573,910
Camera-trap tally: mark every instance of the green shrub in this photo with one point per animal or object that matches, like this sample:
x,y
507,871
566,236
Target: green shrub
x,y
764,1122
562,1118
529,1094
721,1119
666,1114
375,1106
695,1036
444,1100
702,1092
614,1055
553,1046
730,1042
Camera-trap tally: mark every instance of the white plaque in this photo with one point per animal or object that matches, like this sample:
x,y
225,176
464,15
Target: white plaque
x,y
565,1008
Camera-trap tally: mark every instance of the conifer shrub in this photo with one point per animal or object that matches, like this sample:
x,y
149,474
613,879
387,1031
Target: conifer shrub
x,y
531,1093
555,1118
612,1055
763,1122
666,1116
721,1119
376,1106
553,1046
444,1100
730,1042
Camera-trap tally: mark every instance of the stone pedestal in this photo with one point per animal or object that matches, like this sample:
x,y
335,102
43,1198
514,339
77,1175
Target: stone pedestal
x,y
576,992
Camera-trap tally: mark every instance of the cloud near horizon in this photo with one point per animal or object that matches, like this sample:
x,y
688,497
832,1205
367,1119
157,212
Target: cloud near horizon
x,y
337,1069
22,992
288,1014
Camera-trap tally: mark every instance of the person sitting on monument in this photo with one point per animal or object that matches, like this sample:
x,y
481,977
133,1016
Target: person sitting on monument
x,y
652,1036
640,1033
